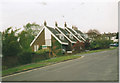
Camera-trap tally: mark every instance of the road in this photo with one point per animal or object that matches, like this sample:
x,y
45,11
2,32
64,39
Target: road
x,y
100,66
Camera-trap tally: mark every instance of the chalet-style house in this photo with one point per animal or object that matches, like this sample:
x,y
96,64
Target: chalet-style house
x,y
58,40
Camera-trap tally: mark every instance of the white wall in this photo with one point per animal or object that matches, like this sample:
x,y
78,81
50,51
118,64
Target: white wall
x,y
47,37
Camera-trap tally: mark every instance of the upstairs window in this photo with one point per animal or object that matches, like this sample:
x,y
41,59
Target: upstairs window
x,y
61,37
79,35
71,36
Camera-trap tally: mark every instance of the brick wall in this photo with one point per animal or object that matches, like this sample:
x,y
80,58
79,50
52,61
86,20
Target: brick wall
x,y
40,40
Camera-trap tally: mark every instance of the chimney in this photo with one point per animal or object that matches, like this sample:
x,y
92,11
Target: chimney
x,y
45,24
56,24
65,25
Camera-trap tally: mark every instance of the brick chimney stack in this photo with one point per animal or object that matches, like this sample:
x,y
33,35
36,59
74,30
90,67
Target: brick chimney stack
x,y
45,23
56,24
65,25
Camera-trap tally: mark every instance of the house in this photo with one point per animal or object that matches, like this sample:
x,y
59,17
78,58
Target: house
x,y
111,36
58,40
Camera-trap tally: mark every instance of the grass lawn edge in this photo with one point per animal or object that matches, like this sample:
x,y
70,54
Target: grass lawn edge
x,y
29,68
15,70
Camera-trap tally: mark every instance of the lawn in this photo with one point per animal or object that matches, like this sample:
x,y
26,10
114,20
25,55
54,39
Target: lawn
x,y
38,64
47,62
93,51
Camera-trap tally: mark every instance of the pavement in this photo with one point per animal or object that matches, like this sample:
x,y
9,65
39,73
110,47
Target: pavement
x,y
93,67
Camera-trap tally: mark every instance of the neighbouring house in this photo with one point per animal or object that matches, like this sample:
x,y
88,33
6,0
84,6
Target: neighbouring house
x,y
58,40
111,36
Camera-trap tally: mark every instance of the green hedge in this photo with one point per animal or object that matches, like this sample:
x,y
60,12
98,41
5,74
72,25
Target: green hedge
x,y
25,57
40,55
100,44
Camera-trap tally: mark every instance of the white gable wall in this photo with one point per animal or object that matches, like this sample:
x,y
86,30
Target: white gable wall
x,y
47,37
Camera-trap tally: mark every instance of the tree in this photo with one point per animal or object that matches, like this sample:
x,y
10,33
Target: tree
x,y
11,46
32,28
93,34
25,40
30,31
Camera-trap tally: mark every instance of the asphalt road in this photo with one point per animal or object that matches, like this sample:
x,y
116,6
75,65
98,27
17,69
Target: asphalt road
x,y
100,66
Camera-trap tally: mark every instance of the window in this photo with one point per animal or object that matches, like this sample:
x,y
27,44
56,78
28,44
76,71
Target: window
x,y
71,36
79,35
36,47
61,37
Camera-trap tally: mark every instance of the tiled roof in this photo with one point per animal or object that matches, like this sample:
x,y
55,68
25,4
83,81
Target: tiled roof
x,y
67,34
82,34
76,33
71,30
55,32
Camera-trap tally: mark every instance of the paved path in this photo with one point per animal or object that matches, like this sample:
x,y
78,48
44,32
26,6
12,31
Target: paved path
x,y
100,66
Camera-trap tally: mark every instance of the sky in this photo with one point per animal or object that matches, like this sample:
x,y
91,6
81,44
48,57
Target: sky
x,y
84,14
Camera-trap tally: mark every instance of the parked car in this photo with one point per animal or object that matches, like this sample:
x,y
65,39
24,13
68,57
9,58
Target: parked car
x,y
115,45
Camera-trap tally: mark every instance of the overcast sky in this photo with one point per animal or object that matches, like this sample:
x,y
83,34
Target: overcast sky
x,y
85,14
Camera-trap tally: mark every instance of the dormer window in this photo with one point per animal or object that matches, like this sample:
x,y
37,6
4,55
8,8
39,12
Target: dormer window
x,y
83,35
61,37
78,35
71,36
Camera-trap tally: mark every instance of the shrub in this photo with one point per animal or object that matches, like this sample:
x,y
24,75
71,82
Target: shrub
x,y
100,44
79,47
40,55
42,51
87,45
25,57
9,61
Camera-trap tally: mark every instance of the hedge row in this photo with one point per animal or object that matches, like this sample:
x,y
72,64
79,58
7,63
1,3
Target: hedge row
x,y
100,44
24,58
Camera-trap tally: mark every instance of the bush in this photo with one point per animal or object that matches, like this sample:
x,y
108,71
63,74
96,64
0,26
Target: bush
x,y
100,44
79,47
25,57
42,51
87,45
9,61
40,55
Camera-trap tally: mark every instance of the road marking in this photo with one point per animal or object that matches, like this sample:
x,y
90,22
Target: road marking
x,y
40,68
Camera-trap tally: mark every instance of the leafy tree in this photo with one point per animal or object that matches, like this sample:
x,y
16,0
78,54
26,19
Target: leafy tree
x,y
25,40
32,29
11,46
93,34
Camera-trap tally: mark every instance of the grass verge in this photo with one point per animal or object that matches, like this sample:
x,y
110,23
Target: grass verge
x,y
93,51
47,62
37,64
